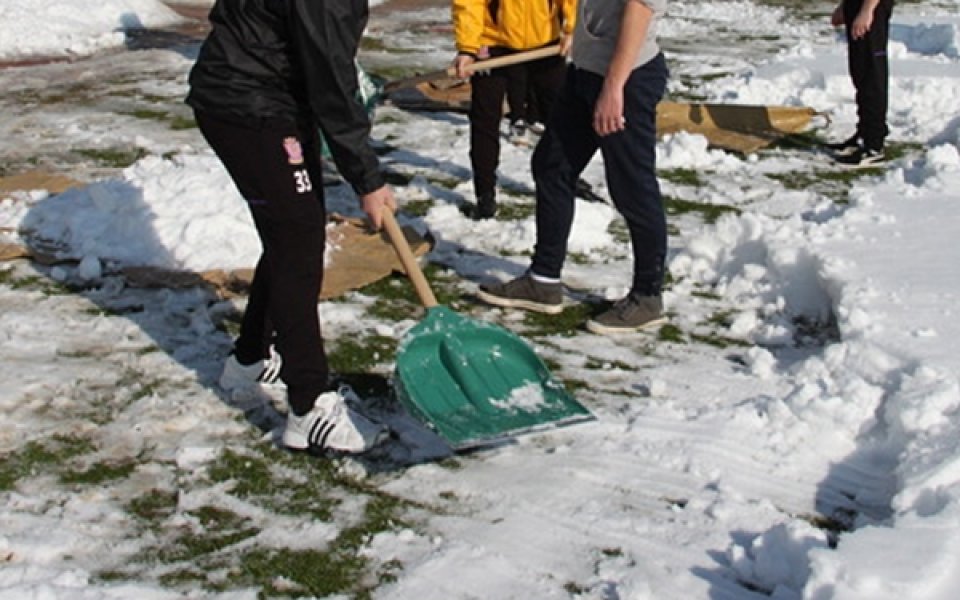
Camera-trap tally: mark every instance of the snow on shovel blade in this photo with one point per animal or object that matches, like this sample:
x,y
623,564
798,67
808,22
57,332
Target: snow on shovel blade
x,y
474,383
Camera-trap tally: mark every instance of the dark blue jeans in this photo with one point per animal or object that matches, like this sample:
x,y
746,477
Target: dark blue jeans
x,y
629,158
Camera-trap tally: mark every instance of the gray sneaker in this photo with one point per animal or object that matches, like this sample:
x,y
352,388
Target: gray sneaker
x,y
632,313
524,292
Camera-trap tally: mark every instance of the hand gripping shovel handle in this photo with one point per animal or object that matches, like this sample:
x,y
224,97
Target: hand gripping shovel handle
x,y
408,260
481,65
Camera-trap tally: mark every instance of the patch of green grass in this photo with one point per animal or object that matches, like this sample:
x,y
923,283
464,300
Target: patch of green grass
x,y
397,179
352,355
44,285
417,208
718,341
36,458
138,384
154,506
618,230
745,38
207,551
217,529
179,123
447,183
7,277
802,140
722,318
99,473
689,177
671,333
148,115
396,294
575,589
708,212
107,311
579,258
567,323
113,157
372,44
395,298
596,364
896,150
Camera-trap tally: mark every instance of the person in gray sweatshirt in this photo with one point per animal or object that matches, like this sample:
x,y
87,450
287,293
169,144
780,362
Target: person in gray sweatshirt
x,y
616,78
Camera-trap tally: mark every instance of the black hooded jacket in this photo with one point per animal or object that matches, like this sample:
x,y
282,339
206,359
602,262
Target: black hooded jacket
x,y
290,60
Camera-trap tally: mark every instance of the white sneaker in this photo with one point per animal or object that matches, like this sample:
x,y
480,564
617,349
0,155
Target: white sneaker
x,y
244,383
519,134
238,377
333,425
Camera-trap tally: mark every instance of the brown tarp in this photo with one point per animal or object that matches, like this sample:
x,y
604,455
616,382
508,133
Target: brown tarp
x,y
736,127
37,180
356,257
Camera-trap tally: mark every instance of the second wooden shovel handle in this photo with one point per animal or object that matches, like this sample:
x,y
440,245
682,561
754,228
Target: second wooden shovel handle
x,y
408,260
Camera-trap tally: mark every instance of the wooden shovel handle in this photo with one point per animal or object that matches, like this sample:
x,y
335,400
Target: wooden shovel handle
x,y
481,65
408,260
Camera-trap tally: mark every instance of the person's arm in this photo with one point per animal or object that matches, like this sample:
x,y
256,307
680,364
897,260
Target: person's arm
x,y
568,19
864,19
608,111
327,52
467,31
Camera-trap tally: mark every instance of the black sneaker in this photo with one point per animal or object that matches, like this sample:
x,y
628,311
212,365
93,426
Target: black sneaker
x,y
486,207
629,314
524,292
844,148
862,158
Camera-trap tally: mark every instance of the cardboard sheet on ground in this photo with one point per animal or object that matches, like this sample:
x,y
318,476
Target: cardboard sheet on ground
x,y
736,127
355,258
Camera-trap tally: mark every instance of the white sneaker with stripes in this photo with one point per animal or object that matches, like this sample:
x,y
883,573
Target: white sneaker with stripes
x,y
243,383
332,425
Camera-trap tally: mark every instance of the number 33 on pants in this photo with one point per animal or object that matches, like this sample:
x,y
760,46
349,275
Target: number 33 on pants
x,y
301,178
302,182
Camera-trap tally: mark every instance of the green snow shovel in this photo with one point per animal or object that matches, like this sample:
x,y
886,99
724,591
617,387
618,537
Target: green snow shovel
x,y
472,382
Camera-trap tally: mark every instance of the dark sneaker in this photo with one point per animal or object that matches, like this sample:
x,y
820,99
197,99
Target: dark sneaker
x,y
862,158
632,313
486,207
524,292
844,148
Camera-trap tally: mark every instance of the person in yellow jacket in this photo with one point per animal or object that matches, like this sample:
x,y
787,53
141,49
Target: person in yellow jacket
x,y
491,28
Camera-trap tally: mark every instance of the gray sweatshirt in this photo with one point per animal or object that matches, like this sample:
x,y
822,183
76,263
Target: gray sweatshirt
x,y
597,29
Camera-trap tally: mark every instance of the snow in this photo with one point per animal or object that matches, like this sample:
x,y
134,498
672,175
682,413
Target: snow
x,y
833,391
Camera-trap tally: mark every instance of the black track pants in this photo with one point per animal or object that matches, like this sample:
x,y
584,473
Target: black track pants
x,y
869,70
276,166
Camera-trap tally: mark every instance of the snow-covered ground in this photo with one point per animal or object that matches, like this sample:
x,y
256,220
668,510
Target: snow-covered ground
x,y
793,433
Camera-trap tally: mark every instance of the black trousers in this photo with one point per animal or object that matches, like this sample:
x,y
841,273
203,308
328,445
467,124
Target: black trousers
x,y
870,72
543,77
629,160
275,164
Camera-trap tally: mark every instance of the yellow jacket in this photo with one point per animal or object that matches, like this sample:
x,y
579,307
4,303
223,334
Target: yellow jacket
x,y
514,24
